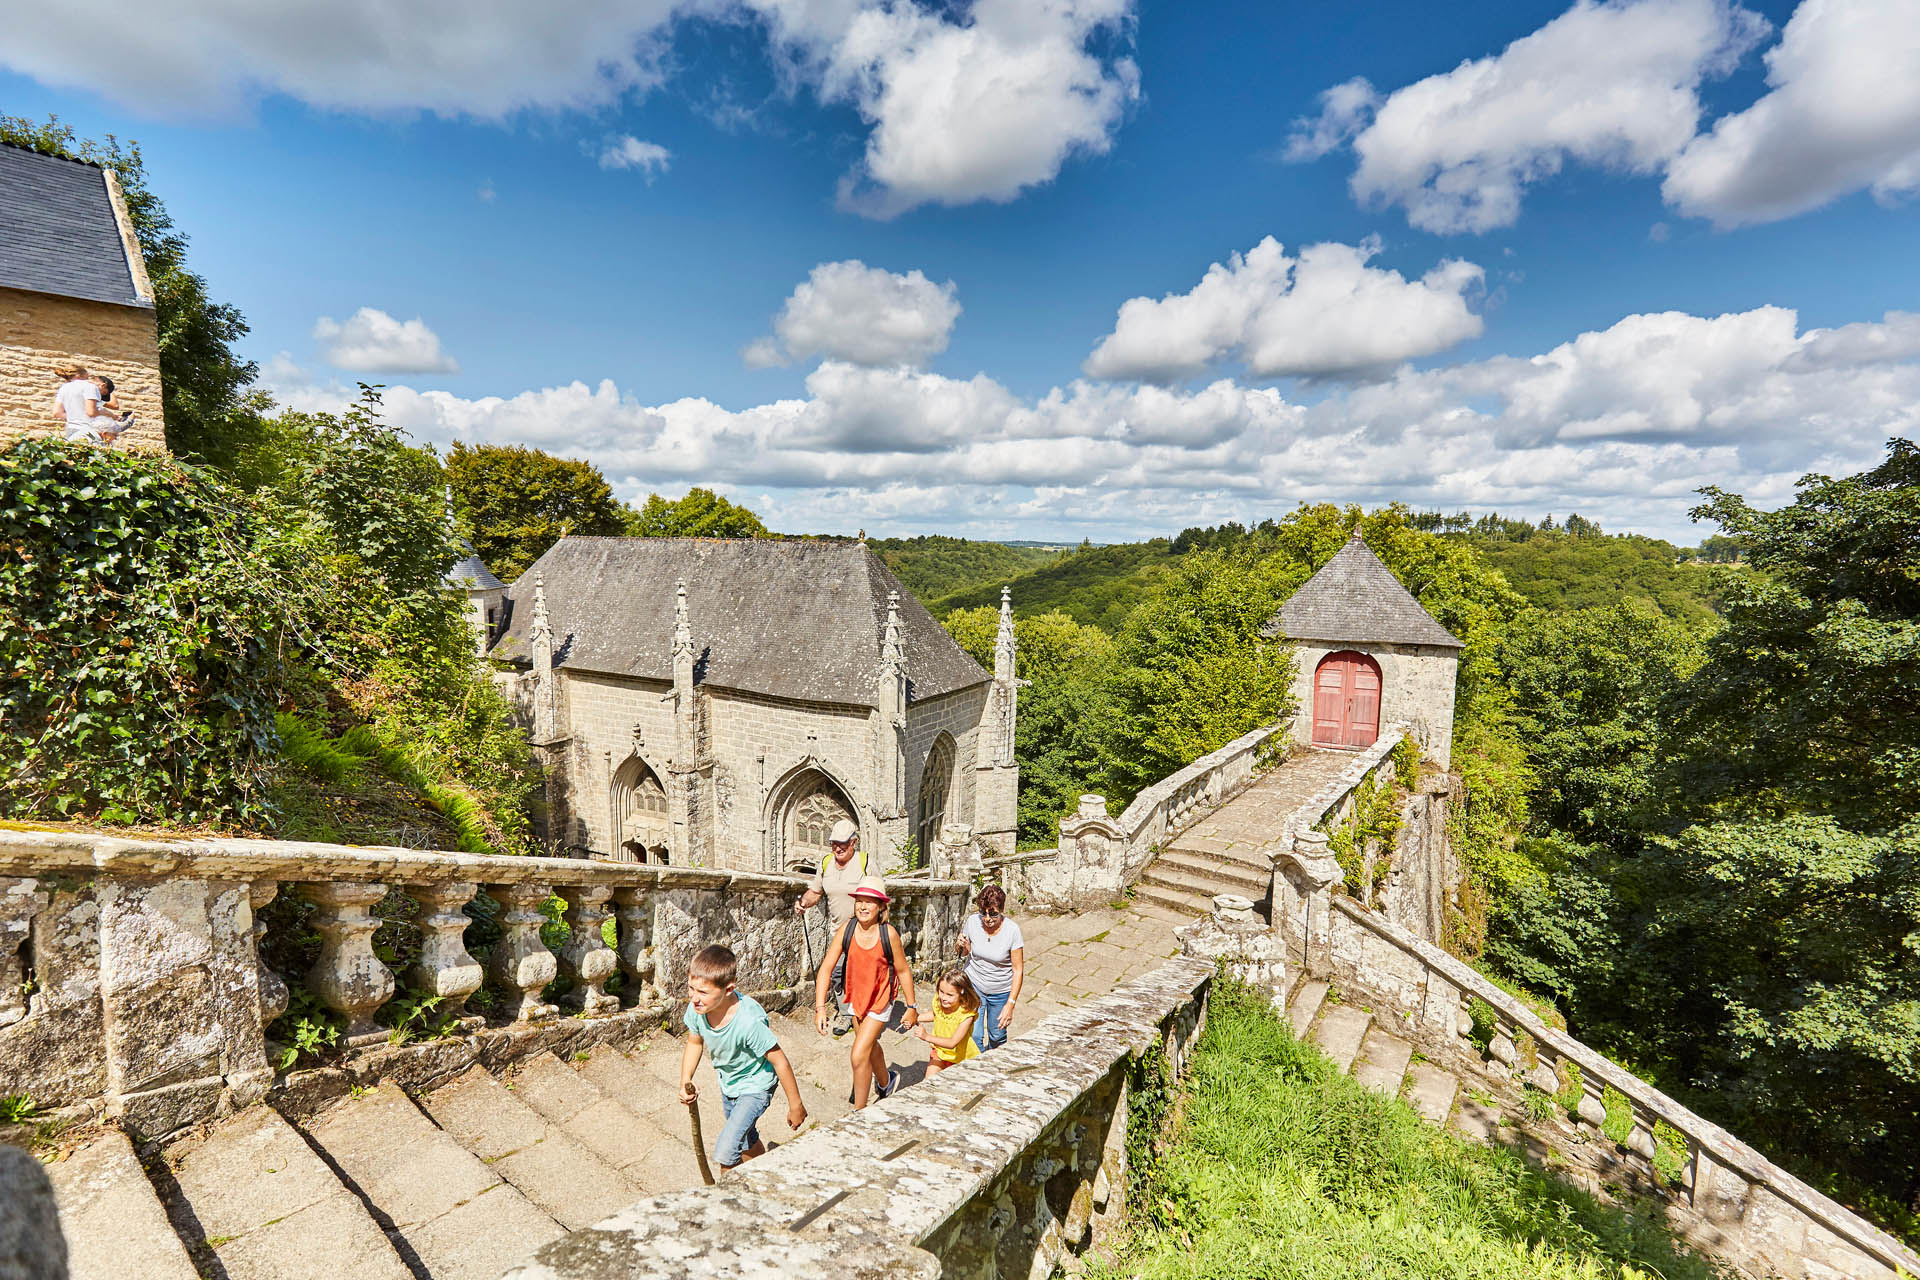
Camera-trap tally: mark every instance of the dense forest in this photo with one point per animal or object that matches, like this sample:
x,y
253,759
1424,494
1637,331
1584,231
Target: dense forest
x,y
932,565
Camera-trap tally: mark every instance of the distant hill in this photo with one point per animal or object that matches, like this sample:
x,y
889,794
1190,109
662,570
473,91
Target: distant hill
x,y
933,566
1095,585
1556,571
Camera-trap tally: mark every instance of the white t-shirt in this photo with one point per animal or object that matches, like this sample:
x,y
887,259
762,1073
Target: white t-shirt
x,y
990,966
72,399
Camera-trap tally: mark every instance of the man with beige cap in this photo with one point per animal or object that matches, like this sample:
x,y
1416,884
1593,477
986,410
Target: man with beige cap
x,y
835,879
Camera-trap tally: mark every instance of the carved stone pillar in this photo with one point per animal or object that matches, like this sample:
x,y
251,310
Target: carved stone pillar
x,y
273,988
520,961
633,910
348,977
1502,1052
1235,934
1303,900
445,967
1593,1105
586,958
1640,1139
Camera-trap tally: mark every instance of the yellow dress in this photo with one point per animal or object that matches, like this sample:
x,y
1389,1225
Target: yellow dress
x,y
944,1025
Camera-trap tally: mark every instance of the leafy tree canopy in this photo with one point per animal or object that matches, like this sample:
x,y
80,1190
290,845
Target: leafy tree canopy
x,y
701,514
515,502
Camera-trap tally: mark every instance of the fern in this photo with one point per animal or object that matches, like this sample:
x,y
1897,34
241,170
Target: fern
x,y
307,749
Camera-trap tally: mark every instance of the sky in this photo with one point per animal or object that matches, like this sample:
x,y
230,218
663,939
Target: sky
x,y
1056,269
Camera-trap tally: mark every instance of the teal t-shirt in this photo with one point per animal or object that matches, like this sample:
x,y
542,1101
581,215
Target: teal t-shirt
x,y
739,1050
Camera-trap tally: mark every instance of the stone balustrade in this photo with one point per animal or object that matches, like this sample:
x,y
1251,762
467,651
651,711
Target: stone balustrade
x,y
1002,1166
1725,1196
1165,808
148,998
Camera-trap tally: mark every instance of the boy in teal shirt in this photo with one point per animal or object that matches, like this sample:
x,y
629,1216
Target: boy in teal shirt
x,y
732,1029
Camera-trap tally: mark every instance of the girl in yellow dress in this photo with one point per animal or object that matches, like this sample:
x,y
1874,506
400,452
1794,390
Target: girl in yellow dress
x,y
955,1005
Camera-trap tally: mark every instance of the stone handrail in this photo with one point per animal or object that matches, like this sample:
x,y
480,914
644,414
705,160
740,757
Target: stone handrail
x,y
151,996
1168,805
1737,1203
1336,798
1001,1166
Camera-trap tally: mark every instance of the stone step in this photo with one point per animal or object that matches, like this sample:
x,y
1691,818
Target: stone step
x,y
1179,901
1306,1003
116,1227
1476,1120
570,1184
1235,877
268,1208
1201,886
620,1134
1339,1032
1383,1061
1237,860
442,1208
1430,1091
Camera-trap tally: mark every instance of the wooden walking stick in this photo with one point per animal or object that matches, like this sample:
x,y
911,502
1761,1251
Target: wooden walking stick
x,y
699,1143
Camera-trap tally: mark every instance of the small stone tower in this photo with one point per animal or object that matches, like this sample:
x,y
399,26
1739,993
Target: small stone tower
x,y
1368,656
997,777
484,593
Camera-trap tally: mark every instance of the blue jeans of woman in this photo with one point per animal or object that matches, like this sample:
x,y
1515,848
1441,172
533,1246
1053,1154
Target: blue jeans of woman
x,y
987,1031
741,1131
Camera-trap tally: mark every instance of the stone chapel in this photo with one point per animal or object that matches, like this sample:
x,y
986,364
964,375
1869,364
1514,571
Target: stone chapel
x,y
723,702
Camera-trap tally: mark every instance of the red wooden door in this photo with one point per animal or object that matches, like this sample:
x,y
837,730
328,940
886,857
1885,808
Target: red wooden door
x,y
1346,700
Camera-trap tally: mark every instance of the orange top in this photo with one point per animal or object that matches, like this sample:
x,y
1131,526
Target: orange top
x,y
870,984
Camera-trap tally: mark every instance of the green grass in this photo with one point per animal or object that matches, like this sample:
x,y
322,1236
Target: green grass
x,y
1281,1168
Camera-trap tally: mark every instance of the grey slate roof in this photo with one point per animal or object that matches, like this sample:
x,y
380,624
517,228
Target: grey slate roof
x,y
57,230
470,572
1355,599
787,619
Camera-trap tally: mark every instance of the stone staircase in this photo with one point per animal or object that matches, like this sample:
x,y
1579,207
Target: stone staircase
x,y
456,1184
1224,852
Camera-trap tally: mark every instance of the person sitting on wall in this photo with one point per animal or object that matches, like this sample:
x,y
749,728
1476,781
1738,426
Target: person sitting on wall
x,y
121,416
77,403
996,958
844,867
879,985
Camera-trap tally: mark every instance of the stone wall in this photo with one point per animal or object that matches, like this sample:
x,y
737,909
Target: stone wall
x,y
1004,1166
149,1001
40,333
1416,690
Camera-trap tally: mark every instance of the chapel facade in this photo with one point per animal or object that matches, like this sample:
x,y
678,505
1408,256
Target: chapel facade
x,y
1368,655
723,702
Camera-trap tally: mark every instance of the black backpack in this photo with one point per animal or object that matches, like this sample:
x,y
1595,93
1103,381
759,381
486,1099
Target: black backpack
x,y
887,934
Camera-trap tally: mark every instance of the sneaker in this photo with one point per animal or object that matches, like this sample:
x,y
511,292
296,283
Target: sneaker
x,y
842,1023
893,1083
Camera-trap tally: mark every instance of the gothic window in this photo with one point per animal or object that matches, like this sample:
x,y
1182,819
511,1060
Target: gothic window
x,y
804,809
813,820
641,826
936,780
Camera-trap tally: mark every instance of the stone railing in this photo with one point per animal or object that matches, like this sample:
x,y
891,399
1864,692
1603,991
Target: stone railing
x,y
1728,1199
150,1000
1099,856
1001,1166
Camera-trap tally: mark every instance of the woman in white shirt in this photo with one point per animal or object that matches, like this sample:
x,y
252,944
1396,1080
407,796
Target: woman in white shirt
x,y
996,961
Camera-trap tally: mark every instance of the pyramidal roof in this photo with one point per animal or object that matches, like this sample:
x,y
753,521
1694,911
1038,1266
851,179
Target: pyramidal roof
x,y
801,619
1355,599
470,572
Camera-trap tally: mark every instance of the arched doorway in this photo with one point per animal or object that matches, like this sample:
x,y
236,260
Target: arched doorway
x,y
642,829
805,807
1346,700
936,783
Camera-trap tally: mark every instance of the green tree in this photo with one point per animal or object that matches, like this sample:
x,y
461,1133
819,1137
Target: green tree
x,y
205,394
701,514
515,502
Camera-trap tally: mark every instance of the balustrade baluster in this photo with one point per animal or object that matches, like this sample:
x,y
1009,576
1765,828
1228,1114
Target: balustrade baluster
x,y
273,988
1502,1052
348,977
1640,1137
586,958
1593,1105
633,911
445,967
520,961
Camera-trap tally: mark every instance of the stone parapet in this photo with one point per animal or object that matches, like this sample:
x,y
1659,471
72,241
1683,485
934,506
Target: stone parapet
x,y
150,1000
1177,800
1002,1166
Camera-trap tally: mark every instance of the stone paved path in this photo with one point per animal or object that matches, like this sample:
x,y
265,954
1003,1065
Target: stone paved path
x,y
1221,852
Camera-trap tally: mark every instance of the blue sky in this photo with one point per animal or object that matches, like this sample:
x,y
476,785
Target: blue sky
x,y
860,257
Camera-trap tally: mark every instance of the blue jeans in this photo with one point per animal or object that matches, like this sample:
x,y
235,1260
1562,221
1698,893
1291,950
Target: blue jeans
x,y
741,1130
987,1031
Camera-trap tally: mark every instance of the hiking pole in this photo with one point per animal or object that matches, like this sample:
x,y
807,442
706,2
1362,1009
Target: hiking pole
x,y
699,1143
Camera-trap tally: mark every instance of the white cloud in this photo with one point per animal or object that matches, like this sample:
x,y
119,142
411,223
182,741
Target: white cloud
x,y
961,110
864,315
371,341
629,152
1621,424
1612,84
1325,314
1843,115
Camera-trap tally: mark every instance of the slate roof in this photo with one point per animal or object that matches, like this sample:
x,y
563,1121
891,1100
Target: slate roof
x,y
1355,599
470,572
58,233
786,619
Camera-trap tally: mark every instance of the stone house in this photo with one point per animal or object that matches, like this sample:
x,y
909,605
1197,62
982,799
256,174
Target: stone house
x,y
73,290
1367,655
723,702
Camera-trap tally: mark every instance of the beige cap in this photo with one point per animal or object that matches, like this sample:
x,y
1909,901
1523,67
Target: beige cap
x,y
843,831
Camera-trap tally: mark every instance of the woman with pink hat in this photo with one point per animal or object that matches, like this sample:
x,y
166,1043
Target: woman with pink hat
x,y
877,976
